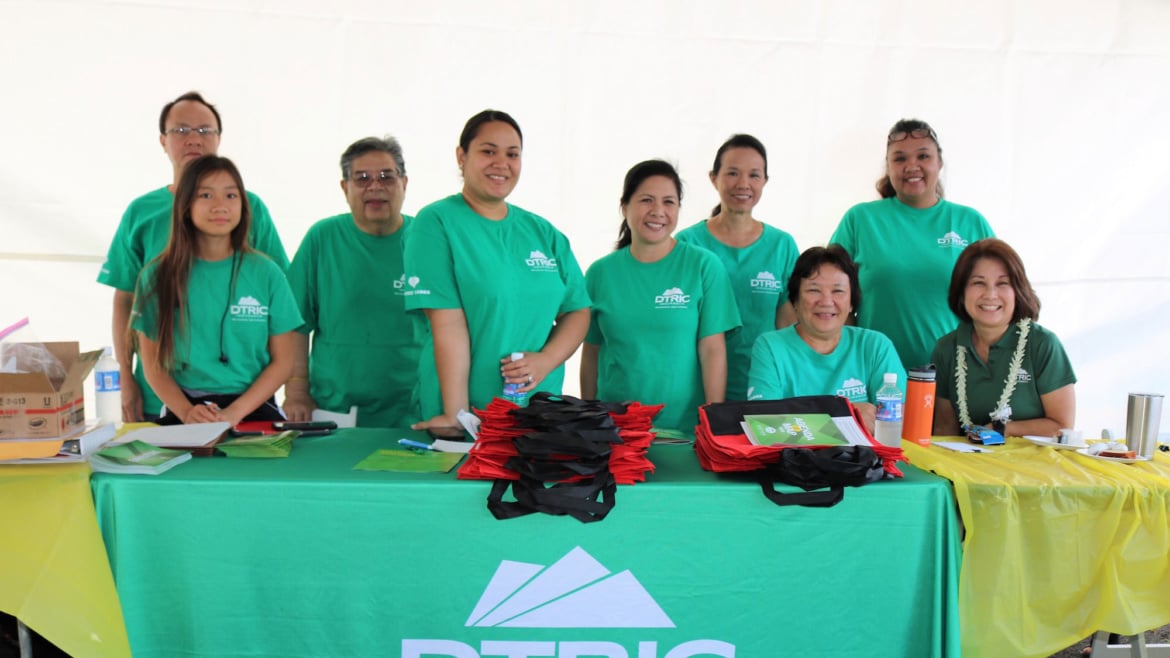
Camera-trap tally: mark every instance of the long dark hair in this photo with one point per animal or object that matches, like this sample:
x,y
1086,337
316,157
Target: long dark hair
x,y
884,186
167,289
737,141
635,177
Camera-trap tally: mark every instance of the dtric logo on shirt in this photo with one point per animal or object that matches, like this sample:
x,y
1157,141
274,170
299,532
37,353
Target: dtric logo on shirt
x,y
672,298
1023,377
852,388
249,309
539,262
413,283
400,285
765,282
952,239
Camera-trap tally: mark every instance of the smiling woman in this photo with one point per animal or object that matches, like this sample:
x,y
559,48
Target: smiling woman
x,y
999,367
213,317
492,279
906,244
661,308
820,355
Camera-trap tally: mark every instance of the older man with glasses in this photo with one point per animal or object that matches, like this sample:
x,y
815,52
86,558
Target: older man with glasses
x,y
348,278
189,127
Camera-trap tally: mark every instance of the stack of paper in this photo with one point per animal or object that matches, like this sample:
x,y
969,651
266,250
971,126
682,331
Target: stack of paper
x,y
61,450
194,435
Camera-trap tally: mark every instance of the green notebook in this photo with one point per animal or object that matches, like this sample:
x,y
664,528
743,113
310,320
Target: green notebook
x,y
137,457
793,430
259,447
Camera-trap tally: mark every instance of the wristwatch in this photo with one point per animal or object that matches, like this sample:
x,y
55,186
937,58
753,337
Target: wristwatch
x,y
999,426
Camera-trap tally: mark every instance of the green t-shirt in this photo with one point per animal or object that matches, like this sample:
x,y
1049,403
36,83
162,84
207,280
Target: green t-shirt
x,y
234,321
905,257
350,288
759,279
1045,368
648,318
512,278
784,366
144,232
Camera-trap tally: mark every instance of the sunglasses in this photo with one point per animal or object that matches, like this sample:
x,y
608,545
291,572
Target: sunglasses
x,y
917,133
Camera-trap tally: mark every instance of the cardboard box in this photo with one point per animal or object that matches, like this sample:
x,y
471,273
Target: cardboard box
x,y
34,407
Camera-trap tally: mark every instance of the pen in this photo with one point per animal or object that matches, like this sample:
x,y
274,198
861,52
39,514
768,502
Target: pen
x,y
415,444
214,406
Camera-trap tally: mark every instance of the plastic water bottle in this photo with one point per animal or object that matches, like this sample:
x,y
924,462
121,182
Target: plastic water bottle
x,y
888,426
107,388
512,391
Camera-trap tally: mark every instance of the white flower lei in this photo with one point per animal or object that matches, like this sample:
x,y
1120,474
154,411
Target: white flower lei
x,y
1002,410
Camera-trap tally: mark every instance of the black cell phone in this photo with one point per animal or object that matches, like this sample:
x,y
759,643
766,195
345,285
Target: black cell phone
x,y
446,433
310,425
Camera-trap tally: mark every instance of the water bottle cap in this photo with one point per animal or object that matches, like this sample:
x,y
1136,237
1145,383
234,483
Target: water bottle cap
x,y
890,378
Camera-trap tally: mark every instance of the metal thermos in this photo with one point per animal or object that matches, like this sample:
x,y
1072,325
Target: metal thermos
x,y
1142,418
919,415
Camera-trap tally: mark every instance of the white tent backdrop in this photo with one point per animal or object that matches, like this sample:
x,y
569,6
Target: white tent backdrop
x,y
1053,116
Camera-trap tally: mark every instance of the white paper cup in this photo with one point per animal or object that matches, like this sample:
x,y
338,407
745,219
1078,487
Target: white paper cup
x,y
1072,437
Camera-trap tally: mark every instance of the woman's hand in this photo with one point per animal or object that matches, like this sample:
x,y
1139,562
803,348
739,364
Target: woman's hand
x,y
528,371
868,413
203,413
437,423
298,406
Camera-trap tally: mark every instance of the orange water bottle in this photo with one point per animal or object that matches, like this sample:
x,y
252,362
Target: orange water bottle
x,y
919,414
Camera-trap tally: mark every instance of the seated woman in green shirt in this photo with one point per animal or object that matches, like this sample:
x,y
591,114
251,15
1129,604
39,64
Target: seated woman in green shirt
x,y
214,318
821,354
1000,368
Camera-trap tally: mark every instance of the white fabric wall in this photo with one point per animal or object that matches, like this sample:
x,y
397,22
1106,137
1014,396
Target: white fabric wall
x,y
1052,115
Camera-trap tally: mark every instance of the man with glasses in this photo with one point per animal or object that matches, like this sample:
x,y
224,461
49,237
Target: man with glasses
x,y
348,278
189,127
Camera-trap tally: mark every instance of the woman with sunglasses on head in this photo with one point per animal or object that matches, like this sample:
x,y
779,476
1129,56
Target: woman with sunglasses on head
x,y
1000,368
758,257
661,308
214,318
493,280
907,243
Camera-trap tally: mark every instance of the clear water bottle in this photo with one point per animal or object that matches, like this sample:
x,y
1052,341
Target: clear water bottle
x,y
512,392
888,426
107,388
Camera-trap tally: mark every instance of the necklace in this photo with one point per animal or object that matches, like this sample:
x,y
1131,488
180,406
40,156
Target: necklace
x,y
1002,411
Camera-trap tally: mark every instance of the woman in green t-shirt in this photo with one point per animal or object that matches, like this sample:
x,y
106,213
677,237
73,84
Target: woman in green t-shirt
x,y
661,308
213,317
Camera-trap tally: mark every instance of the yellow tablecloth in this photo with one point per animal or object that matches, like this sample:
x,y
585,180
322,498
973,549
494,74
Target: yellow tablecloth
x,y
54,574
1058,545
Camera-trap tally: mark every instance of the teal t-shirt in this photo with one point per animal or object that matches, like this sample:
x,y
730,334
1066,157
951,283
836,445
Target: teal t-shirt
x,y
905,257
648,318
1044,369
142,235
512,278
234,320
350,288
784,366
759,279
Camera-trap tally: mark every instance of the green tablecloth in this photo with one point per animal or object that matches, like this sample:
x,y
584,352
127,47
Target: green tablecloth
x,y
306,557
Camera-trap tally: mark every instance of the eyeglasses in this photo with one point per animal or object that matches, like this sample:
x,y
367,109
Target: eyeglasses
x,y
917,133
183,131
362,179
